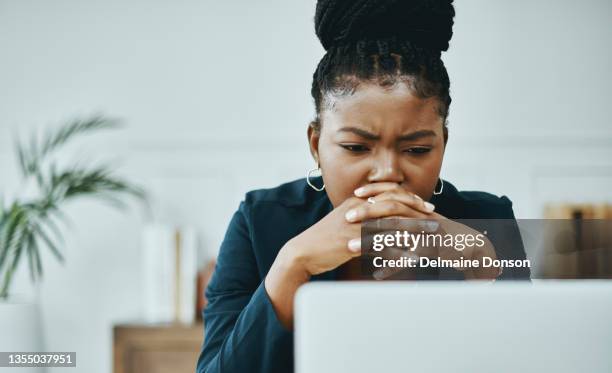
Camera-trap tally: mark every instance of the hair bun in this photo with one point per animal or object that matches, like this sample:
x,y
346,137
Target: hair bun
x,y
427,23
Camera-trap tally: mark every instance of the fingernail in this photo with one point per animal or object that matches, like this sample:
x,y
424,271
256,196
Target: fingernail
x,y
432,226
378,274
351,215
355,244
413,256
429,206
360,191
418,197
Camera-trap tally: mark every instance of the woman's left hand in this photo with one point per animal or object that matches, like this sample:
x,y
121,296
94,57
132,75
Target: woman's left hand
x,y
388,193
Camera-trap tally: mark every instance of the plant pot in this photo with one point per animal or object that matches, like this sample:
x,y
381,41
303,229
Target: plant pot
x,y
21,327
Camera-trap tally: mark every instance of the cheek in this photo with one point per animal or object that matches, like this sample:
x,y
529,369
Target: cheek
x,y
423,176
342,174
340,182
428,167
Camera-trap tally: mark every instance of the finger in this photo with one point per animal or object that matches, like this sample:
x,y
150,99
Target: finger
x,y
403,223
354,245
391,253
394,254
373,189
385,234
405,197
386,272
381,209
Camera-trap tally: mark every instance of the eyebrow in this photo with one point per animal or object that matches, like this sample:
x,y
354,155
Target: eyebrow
x,y
407,137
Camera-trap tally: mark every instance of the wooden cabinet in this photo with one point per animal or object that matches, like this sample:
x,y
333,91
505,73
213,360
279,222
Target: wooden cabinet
x,y
156,348
579,241
578,211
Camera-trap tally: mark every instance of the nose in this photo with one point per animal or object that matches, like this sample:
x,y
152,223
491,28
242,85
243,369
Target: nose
x,y
386,167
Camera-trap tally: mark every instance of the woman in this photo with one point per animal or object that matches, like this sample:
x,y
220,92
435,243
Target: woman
x,y
381,95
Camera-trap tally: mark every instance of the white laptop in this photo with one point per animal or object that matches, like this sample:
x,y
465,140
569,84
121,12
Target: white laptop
x,y
435,327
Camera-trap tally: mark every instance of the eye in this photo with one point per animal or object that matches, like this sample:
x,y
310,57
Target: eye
x,y
355,148
417,150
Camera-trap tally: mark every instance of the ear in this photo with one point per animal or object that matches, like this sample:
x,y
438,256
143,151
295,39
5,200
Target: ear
x,y
445,129
313,141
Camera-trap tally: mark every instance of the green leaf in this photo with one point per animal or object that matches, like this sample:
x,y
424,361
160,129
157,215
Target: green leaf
x,y
30,159
37,259
48,222
50,244
17,245
3,216
79,182
54,211
31,246
111,200
78,126
27,226
33,161
23,161
14,219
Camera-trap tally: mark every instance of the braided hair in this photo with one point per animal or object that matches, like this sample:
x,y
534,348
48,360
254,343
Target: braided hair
x,y
384,42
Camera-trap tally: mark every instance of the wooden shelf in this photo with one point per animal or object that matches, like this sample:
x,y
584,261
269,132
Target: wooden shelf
x,y
156,348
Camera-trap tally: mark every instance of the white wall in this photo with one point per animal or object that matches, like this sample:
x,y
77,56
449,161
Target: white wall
x,y
216,99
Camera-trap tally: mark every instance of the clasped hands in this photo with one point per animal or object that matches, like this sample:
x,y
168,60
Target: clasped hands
x,y
336,238
390,200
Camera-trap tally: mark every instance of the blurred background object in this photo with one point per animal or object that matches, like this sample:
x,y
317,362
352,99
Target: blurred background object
x,y
578,211
156,348
20,322
170,274
579,241
204,276
33,218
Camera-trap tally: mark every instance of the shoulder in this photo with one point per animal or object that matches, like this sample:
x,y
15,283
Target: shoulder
x,y
272,216
474,204
289,207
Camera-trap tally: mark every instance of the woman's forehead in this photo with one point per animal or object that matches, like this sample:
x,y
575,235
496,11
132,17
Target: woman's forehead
x,y
375,107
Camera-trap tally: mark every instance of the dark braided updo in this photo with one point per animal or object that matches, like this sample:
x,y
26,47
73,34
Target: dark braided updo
x,y
383,42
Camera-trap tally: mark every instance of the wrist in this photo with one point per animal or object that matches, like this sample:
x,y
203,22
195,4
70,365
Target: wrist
x,y
286,275
292,264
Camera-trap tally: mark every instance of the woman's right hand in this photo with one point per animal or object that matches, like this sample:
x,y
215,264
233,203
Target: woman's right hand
x,y
329,243
320,248
326,245
336,238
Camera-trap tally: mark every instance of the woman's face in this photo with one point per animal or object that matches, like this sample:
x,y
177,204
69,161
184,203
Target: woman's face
x,y
379,134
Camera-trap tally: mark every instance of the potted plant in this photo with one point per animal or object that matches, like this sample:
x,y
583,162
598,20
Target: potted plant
x,y
36,221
